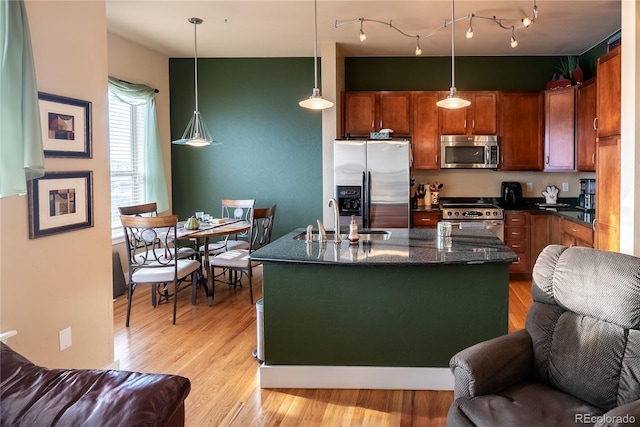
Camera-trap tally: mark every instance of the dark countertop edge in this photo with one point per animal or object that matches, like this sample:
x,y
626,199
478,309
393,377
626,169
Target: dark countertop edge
x,y
285,256
382,264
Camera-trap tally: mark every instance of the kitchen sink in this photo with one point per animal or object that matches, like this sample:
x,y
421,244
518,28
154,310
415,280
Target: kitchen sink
x,y
365,235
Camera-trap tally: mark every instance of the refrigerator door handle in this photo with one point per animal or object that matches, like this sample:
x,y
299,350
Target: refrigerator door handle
x,y
365,199
368,206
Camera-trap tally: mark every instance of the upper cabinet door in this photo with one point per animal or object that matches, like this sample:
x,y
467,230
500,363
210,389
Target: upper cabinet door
x,y
585,126
366,112
480,118
608,99
394,112
521,144
484,119
425,141
559,120
359,113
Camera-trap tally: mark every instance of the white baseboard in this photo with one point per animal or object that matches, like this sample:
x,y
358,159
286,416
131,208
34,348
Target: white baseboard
x,y
356,377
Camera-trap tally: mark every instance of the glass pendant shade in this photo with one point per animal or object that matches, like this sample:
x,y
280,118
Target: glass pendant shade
x,y
196,134
453,101
316,101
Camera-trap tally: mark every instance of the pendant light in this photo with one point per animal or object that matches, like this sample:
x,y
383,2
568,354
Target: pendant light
x,y
315,101
453,101
196,134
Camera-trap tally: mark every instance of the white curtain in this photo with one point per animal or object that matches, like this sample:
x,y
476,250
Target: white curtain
x,y
21,152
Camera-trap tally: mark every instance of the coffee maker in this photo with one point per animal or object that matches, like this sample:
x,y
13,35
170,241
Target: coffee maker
x,y
587,197
512,193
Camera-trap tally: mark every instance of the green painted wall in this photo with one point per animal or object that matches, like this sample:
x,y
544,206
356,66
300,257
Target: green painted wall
x,y
434,73
271,148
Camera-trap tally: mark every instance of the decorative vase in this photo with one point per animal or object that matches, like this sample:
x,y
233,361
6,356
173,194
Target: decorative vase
x,y
551,82
577,74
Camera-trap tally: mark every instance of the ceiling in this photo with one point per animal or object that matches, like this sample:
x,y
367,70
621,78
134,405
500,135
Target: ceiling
x,y
264,28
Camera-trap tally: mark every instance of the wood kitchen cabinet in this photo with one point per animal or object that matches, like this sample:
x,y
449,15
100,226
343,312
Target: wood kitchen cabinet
x,y
425,140
366,112
546,229
425,219
607,225
608,101
559,121
480,118
516,236
586,126
521,131
574,234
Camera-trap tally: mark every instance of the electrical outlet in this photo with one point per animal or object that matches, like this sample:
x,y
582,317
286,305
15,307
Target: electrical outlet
x,y
565,186
65,338
529,186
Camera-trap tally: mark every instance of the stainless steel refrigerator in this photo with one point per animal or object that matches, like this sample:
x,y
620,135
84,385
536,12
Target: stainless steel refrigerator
x,y
372,181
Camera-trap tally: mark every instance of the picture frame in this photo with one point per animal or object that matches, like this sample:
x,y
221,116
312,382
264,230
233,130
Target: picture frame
x,y
66,126
60,202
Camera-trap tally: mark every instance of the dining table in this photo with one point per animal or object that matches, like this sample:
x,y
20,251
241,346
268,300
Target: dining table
x,y
205,231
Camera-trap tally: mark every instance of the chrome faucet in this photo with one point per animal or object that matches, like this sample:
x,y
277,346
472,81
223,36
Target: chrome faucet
x,y
322,234
336,217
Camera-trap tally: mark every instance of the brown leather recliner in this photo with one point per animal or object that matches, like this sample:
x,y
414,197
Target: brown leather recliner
x,y
577,362
34,396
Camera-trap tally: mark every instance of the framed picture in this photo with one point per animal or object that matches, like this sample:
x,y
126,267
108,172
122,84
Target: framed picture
x,y
66,126
60,202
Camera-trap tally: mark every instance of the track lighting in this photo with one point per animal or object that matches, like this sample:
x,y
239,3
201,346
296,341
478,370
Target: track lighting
x,y
363,36
514,42
508,24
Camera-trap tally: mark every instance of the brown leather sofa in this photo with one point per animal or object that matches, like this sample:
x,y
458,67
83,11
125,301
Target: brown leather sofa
x,y
577,362
34,396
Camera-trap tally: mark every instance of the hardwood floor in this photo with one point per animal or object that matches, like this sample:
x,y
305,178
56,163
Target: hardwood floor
x,y
212,346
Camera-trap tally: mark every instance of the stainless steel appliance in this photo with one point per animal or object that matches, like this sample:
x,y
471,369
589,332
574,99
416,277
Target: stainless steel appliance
x,y
469,151
587,197
475,216
372,182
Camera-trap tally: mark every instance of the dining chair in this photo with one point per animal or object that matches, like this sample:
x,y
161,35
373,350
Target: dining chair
x,y
153,257
237,260
184,252
234,209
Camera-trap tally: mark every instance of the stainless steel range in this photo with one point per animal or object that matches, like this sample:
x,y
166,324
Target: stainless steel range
x,y
475,216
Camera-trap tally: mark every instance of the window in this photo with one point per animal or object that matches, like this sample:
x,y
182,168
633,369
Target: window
x,y
127,154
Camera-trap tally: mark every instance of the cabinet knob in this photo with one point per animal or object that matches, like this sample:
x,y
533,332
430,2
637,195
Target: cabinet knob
x,y
473,124
381,124
593,158
465,123
595,123
547,160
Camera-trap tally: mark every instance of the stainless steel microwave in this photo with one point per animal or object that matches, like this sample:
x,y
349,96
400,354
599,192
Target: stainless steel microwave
x,y
469,151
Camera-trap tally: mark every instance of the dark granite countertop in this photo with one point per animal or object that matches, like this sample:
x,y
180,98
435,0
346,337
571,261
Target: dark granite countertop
x,y
566,208
403,247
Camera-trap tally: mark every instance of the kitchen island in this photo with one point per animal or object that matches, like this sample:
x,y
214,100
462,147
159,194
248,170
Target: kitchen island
x,y
386,313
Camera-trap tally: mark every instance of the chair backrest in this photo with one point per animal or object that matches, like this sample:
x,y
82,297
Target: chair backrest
x,y
263,219
585,324
239,209
150,241
151,209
